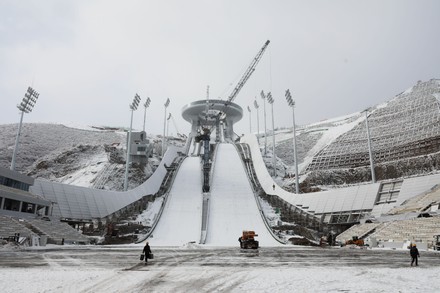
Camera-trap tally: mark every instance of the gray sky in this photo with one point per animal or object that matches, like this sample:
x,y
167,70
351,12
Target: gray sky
x,y
87,59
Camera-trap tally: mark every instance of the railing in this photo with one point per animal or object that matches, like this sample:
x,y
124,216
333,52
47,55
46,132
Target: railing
x,y
246,161
301,216
164,190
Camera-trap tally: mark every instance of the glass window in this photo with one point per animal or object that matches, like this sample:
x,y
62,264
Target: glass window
x,y
14,183
27,207
389,192
11,205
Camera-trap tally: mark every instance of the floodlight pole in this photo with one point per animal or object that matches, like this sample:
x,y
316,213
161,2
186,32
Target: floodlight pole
x,y
258,120
133,107
263,96
164,125
274,163
250,119
291,103
146,105
26,106
168,123
370,152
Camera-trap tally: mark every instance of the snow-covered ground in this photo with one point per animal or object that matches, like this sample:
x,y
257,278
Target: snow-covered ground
x,y
215,269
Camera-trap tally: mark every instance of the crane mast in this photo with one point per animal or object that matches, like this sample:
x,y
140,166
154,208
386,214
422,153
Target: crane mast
x,y
248,72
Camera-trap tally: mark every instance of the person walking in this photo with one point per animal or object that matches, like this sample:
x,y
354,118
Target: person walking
x,y
147,251
414,252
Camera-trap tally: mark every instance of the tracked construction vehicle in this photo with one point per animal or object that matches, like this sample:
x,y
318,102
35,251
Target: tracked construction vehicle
x,y
247,240
355,241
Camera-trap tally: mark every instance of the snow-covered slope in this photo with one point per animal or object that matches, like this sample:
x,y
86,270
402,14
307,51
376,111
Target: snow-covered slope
x,y
233,207
181,219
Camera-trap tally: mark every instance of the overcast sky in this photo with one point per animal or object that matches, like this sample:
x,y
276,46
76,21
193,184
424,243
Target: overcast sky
x,y
87,59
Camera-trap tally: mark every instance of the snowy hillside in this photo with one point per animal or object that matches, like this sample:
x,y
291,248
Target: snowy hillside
x,y
405,141
94,156
82,156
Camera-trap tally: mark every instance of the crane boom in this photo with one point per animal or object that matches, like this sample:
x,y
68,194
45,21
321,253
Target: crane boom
x,y
248,72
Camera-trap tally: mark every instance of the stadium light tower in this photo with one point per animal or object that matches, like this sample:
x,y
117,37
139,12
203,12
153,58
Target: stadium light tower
x,y
167,103
263,96
270,100
370,152
291,103
146,105
168,123
250,119
26,106
258,120
133,107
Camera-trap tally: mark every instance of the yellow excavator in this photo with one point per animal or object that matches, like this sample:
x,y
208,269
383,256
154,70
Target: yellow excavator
x,y
247,240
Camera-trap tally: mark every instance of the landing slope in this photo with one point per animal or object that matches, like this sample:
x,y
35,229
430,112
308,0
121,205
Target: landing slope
x,y
180,222
233,207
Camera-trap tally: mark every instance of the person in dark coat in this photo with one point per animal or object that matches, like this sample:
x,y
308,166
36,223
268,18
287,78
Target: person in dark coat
x,y
146,251
414,252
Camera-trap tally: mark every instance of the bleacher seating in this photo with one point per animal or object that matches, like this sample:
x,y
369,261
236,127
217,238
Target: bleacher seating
x,y
414,230
57,231
360,230
418,203
54,230
407,126
9,227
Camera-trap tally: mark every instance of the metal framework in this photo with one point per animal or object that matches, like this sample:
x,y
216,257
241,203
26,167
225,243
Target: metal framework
x,y
248,73
408,126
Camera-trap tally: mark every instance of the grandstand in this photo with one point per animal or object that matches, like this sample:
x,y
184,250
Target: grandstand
x,y
417,220
57,232
54,232
405,127
10,227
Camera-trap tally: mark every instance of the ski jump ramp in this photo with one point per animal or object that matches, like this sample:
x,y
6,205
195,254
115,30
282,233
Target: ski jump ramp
x,y
232,207
181,218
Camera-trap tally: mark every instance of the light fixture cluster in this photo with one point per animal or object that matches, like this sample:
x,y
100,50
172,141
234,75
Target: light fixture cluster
x,y
29,100
135,103
269,98
289,99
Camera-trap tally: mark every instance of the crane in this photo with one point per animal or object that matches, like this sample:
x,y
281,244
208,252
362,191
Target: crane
x,y
248,73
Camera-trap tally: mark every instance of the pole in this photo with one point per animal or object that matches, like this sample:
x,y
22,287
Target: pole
x,y
295,152
370,152
26,106
250,119
14,154
168,124
145,117
273,145
127,161
265,128
164,126
258,126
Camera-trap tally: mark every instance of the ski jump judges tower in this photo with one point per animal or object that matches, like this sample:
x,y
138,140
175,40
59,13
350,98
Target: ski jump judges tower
x,y
204,116
207,114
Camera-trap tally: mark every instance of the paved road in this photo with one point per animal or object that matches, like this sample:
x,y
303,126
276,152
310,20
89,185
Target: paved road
x,y
128,258
282,269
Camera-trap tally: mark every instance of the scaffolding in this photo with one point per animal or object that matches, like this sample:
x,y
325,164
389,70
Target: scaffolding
x,y
408,126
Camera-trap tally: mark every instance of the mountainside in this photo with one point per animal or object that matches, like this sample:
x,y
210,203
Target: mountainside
x,y
405,141
88,157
